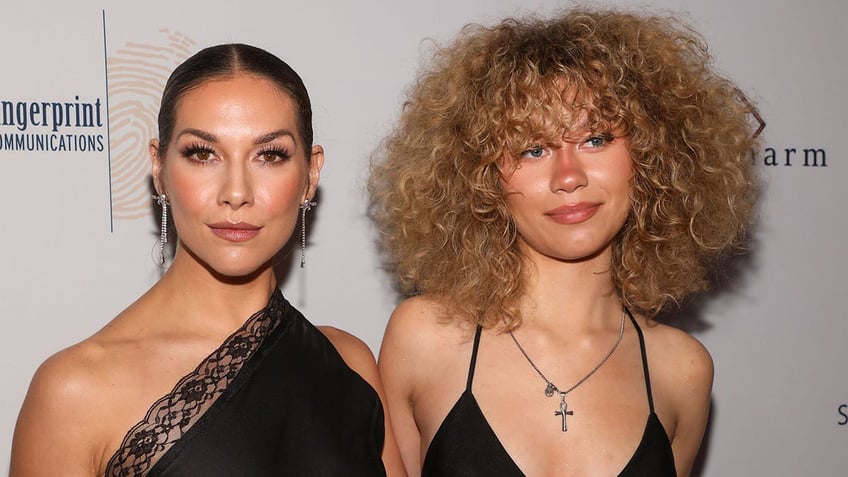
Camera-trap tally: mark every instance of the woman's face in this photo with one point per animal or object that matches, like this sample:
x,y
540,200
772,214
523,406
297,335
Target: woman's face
x,y
235,173
569,200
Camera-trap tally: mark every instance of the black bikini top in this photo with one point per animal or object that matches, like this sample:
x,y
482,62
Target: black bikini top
x,y
465,444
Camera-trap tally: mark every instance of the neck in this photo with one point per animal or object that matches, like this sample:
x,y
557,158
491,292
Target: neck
x,y
202,298
580,293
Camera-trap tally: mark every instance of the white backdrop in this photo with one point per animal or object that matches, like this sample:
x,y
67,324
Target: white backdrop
x,y
79,232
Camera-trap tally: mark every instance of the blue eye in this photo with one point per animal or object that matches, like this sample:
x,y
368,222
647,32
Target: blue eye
x,y
534,152
600,140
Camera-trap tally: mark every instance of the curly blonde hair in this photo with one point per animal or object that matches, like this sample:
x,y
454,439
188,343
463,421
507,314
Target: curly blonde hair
x,y
435,185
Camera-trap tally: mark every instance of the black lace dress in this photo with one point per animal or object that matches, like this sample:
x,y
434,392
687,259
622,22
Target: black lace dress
x,y
274,399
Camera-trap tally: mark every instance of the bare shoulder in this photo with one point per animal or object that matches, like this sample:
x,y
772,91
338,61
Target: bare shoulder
x,y
677,356
77,402
421,346
420,325
682,379
71,377
417,363
353,350
64,409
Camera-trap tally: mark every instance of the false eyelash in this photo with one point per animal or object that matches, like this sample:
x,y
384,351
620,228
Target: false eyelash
x,y
195,147
281,152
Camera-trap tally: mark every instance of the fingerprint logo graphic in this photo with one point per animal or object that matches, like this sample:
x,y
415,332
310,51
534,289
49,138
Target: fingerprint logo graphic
x,y
137,74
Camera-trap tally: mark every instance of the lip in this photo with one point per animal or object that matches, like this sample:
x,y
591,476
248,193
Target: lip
x,y
237,232
571,214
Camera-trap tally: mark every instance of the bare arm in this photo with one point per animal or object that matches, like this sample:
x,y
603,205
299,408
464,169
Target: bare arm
x,y
690,385
400,359
358,356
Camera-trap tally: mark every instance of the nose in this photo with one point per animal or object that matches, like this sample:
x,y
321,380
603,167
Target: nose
x,y
236,186
568,173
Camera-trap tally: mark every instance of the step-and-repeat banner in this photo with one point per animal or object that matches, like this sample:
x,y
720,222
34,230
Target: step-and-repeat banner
x,y
79,91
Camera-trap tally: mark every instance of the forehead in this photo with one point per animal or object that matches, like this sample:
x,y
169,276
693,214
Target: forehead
x,y
240,97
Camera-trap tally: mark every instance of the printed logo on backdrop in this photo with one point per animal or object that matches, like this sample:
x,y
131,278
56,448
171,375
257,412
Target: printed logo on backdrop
x,y
797,156
119,123
787,156
71,124
136,75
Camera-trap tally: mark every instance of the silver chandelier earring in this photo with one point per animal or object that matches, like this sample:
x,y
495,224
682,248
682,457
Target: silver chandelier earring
x,y
162,200
305,207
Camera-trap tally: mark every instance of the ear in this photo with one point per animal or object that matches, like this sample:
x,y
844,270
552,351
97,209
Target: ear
x,y
155,165
316,162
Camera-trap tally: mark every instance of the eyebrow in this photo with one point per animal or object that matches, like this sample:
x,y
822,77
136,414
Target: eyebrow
x,y
199,133
266,138
263,139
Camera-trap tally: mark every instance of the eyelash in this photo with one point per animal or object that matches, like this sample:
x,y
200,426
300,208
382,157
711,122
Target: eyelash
x,y
282,154
527,152
606,137
190,152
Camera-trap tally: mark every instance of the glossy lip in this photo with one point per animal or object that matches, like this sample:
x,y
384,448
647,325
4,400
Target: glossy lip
x,y
237,232
572,214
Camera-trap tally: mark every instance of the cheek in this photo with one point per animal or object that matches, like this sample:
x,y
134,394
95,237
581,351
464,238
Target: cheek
x,y
188,192
523,186
615,177
281,195
523,197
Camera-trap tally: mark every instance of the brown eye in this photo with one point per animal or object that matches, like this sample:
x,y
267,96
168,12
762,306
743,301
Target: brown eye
x,y
199,153
274,155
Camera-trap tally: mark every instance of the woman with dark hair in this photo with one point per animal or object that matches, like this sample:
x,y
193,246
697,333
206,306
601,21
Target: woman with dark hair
x,y
552,185
212,372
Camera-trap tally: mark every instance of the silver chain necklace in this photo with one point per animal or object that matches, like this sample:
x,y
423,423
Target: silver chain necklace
x,y
551,388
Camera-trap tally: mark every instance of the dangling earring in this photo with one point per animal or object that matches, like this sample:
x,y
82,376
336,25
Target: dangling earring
x,y
305,207
162,200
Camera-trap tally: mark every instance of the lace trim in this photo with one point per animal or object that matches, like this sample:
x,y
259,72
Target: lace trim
x,y
169,418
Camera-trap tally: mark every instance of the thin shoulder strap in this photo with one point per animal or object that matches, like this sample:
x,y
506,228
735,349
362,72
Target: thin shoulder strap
x,y
644,359
473,358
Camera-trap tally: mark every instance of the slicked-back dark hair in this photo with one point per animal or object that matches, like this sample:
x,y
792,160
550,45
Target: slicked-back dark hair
x,y
228,60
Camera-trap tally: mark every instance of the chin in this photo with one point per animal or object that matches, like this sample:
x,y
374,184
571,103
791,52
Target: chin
x,y
578,253
233,268
238,273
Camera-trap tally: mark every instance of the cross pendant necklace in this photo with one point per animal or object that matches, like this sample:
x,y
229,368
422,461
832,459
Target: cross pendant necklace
x,y
551,388
563,411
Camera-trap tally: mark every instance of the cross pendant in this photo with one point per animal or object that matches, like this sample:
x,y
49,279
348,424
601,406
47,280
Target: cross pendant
x,y
563,411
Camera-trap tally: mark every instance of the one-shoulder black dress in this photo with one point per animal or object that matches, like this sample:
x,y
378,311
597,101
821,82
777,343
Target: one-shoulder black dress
x,y
274,399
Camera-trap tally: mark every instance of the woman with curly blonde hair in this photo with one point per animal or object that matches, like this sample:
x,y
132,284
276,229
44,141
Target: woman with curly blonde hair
x,y
552,185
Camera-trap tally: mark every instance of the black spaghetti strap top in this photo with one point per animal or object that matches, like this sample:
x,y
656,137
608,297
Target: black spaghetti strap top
x,y
465,445
275,399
